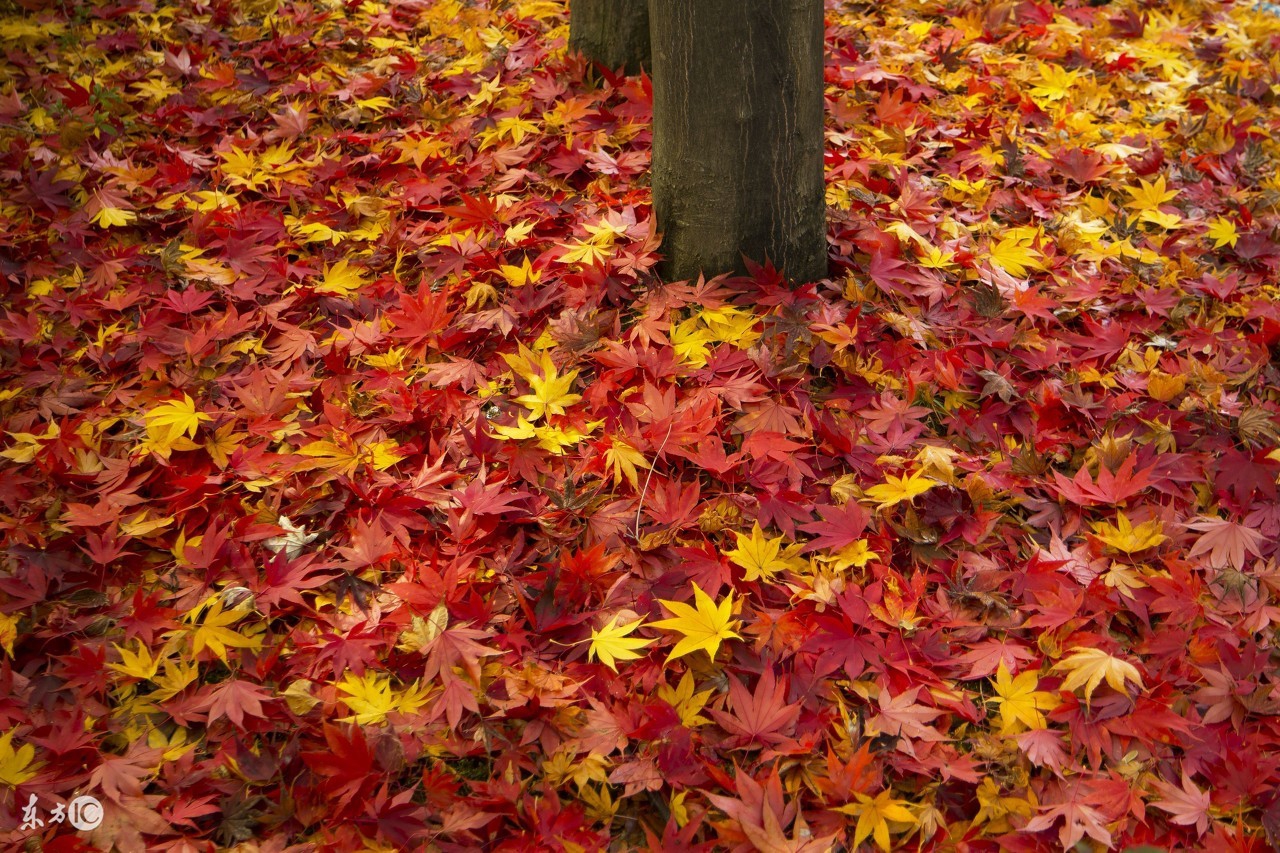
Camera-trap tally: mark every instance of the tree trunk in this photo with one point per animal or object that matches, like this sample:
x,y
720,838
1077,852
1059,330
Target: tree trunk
x,y
614,33
737,135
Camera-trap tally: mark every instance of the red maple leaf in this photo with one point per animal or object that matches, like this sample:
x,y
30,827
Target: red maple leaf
x,y
1188,804
1109,488
344,767
840,526
1226,542
234,699
758,718
904,718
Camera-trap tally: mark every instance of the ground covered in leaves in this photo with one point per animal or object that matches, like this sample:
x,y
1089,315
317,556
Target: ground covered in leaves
x,y
363,487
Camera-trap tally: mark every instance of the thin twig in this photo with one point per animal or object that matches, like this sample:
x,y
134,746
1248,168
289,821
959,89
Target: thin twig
x,y
647,477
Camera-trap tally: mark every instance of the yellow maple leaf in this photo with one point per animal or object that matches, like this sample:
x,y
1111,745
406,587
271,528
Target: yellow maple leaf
x,y
143,525
174,746
138,664
1088,667
731,325
874,815
1123,536
1014,256
687,700
15,764
623,460
315,232
1021,705
585,252
554,439
212,628
240,168
935,258
1165,386
169,422
1149,196
760,557
1222,232
995,809
1054,83
346,455
514,128
704,627
550,390
1159,217
8,632
107,217
521,275
895,490
523,429
691,342
177,676
372,698
854,555
341,279
223,443
611,643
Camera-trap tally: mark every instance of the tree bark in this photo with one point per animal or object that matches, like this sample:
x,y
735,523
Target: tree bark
x,y
737,135
614,33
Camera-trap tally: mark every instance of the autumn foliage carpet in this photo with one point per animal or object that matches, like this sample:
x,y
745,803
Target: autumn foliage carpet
x,y
363,488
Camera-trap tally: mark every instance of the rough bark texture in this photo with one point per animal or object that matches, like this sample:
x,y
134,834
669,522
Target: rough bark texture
x,y
614,33
737,135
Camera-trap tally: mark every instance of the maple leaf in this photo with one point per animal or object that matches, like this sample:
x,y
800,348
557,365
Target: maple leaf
x,y
1149,196
1044,748
1020,704
9,632
1013,256
372,698
760,557
1188,804
902,717
1222,232
138,664
895,490
341,279
611,643
874,816
1226,542
687,700
211,627
987,656
1123,536
170,422
550,390
292,542
16,764
761,813
586,252
234,698
758,717
840,526
122,776
1109,488
623,460
1078,819
345,764
1088,667
108,217
1055,82
704,627
521,275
